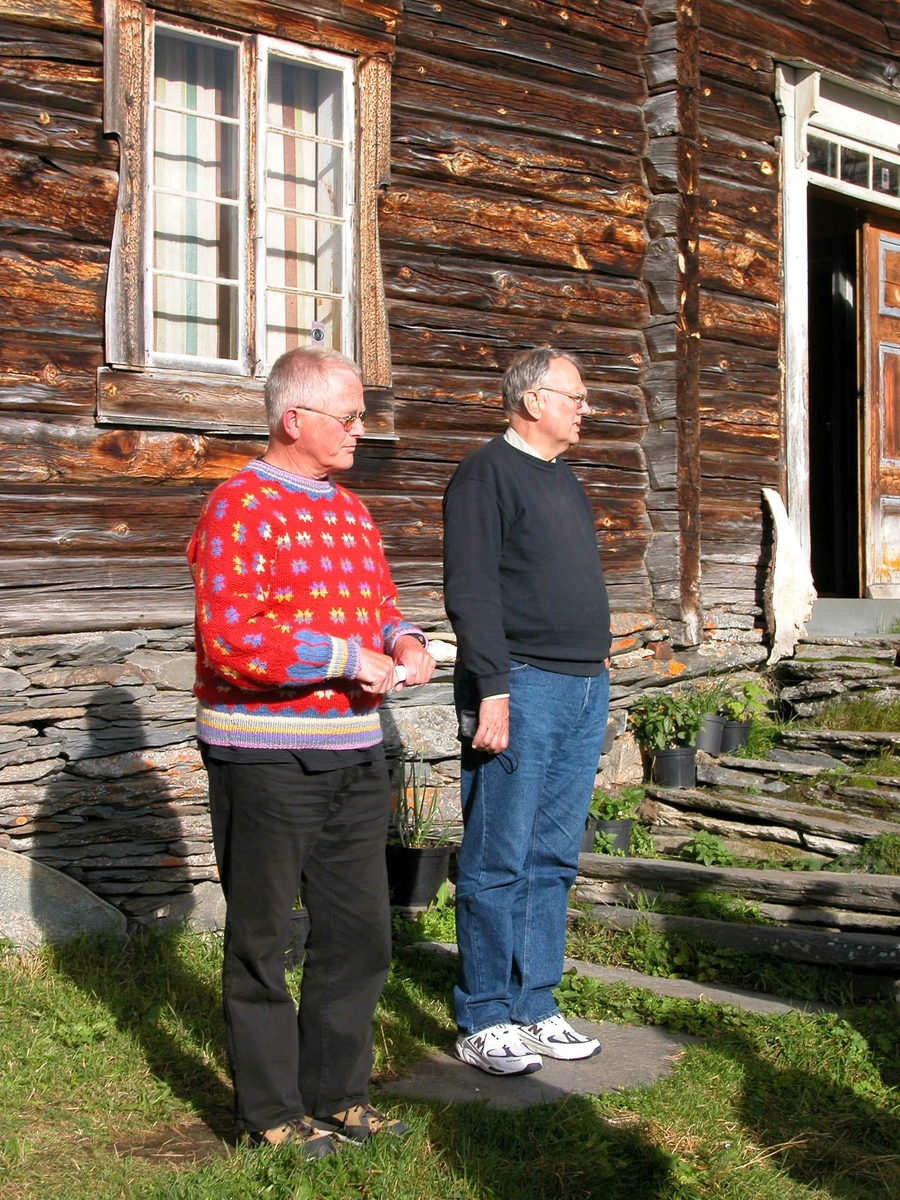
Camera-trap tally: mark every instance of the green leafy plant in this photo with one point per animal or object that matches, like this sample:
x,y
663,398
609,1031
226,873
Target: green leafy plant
x,y
621,807
641,844
709,694
417,818
745,702
605,843
665,719
708,849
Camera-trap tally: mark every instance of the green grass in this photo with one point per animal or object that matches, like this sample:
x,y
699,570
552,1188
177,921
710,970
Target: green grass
x,y
107,1044
859,715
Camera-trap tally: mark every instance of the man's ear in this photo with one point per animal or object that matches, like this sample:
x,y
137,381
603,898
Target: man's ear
x,y
532,403
290,424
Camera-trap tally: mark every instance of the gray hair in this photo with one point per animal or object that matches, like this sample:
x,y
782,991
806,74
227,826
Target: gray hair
x,y
298,376
528,371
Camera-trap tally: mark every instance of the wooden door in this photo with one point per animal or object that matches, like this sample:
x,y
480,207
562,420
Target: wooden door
x,y
881,408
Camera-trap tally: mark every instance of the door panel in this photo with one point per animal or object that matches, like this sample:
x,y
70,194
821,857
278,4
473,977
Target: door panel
x,y
881,421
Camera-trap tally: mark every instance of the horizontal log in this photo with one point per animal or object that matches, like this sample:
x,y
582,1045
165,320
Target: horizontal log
x,y
579,53
454,220
735,62
432,335
856,891
733,211
40,611
435,88
452,401
517,291
58,452
765,472
564,172
723,106
47,83
820,34
19,39
60,134
862,951
750,369
807,818
739,408
43,197
52,375
77,15
738,268
52,288
358,27
741,160
725,438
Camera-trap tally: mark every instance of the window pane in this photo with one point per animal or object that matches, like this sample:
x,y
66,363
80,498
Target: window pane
x,y
290,317
885,177
306,99
195,236
195,74
193,154
303,175
822,156
304,168
303,253
196,162
854,167
194,318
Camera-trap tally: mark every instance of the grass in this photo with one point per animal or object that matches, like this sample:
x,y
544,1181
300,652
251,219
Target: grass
x,y
859,715
104,1045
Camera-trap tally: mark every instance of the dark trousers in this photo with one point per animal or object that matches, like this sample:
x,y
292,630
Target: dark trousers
x,y
274,823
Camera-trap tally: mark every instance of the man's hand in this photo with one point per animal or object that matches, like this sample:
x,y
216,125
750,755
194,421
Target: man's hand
x,y
492,733
376,672
408,652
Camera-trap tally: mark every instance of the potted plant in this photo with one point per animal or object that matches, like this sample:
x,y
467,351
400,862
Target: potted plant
x,y
418,852
665,725
709,697
739,706
611,818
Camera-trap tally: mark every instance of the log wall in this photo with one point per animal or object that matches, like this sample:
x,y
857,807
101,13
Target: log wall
x,y
740,369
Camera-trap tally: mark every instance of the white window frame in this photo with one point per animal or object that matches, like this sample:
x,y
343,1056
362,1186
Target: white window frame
x,y
266,48
132,390
242,365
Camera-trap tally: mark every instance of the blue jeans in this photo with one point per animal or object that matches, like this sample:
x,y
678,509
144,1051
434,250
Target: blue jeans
x,y
524,812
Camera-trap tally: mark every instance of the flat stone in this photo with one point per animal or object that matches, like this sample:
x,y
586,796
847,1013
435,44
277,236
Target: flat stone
x,y
632,1055
429,730
174,672
40,904
11,682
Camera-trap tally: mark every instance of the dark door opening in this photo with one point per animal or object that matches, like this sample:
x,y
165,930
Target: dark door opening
x,y
834,414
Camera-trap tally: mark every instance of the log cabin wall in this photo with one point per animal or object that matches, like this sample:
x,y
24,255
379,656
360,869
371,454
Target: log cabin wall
x,y
740,369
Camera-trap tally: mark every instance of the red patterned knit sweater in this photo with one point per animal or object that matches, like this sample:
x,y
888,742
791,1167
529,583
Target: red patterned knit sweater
x,y
291,581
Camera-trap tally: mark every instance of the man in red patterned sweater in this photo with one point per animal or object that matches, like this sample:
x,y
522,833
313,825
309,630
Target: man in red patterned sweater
x,y
298,639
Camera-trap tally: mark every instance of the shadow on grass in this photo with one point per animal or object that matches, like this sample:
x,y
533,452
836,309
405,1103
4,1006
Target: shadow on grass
x,y
162,989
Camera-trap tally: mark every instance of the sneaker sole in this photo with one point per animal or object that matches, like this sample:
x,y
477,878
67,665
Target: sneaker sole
x,y
552,1051
528,1069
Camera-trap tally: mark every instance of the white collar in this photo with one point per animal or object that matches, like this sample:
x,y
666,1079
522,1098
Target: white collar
x,y
516,440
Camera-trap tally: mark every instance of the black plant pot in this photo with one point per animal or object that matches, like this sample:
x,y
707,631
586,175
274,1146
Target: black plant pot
x,y
709,736
619,831
734,734
675,768
297,937
415,873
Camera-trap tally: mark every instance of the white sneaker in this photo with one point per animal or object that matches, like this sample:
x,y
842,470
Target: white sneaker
x,y
497,1050
556,1038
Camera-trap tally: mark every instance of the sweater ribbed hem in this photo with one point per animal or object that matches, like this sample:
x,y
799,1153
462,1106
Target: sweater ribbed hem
x,y
252,731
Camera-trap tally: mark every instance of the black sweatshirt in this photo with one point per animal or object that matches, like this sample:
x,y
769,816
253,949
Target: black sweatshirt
x,y
522,573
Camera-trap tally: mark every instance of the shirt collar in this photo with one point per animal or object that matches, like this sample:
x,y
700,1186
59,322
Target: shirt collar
x,y
519,443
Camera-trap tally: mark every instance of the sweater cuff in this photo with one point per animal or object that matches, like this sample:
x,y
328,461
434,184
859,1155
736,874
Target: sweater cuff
x,y
492,685
404,629
345,659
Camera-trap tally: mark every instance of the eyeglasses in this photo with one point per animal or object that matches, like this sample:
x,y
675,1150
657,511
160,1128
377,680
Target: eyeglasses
x,y
348,422
579,397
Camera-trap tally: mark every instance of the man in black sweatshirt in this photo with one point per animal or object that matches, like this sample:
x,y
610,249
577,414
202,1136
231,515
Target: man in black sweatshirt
x,y
524,591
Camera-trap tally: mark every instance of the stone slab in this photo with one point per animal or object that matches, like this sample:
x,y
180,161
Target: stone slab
x,y
632,1056
40,904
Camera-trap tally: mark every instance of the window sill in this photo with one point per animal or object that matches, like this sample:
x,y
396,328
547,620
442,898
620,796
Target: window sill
x,y
208,403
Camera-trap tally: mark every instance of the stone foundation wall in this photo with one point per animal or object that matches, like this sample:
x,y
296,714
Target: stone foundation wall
x,y
100,775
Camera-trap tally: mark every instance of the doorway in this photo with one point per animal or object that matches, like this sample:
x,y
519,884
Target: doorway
x,y
834,396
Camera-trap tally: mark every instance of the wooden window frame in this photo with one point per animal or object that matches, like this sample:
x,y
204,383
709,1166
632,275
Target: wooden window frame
x,y
131,391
